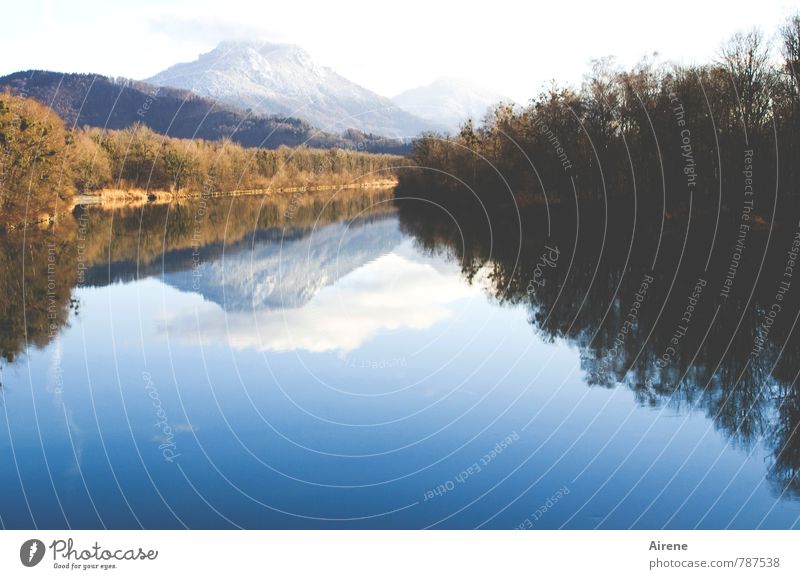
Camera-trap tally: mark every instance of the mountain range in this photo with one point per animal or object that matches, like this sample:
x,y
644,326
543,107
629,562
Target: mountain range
x,y
270,78
99,101
257,94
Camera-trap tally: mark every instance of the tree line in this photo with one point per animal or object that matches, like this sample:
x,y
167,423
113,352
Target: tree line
x,y
661,131
43,163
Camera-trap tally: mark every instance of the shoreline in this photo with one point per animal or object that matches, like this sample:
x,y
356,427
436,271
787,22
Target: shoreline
x,y
121,198
133,197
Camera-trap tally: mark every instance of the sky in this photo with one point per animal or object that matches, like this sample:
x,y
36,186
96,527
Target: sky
x,y
514,48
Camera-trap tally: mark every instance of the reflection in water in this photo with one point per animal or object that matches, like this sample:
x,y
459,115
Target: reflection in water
x,y
685,314
37,275
389,293
336,363
271,269
94,247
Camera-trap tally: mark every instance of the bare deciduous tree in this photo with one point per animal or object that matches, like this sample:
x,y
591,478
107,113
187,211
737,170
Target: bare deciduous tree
x,y
746,57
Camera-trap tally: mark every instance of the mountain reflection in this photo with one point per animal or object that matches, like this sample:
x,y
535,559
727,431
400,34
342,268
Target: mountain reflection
x,y
95,247
272,270
390,292
652,304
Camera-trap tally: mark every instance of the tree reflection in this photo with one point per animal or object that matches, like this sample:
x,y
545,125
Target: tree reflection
x,y
37,274
41,267
714,356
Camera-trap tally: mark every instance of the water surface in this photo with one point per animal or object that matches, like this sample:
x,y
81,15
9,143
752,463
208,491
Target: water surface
x,y
356,365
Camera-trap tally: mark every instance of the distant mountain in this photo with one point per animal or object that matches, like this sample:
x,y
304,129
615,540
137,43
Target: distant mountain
x,y
449,102
99,101
283,79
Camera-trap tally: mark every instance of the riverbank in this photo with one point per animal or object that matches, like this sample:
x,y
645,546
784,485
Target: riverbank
x,y
132,198
128,197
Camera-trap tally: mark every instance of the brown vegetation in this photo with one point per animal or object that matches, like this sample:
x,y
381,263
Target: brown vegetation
x,y
33,150
661,132
42,164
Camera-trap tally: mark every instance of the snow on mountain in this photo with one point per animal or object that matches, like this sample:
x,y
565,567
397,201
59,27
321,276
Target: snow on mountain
x,y
271,78
449,102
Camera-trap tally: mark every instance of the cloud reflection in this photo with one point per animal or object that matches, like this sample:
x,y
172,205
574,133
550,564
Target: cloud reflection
x,y
391,293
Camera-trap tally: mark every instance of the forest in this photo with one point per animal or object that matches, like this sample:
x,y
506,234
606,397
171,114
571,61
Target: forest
x,y
43,163
665,134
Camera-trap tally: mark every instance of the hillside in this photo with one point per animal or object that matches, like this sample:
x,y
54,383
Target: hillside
x,y
99,101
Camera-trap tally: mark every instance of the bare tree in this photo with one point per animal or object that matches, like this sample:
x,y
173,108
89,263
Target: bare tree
x,y
790,35
746,56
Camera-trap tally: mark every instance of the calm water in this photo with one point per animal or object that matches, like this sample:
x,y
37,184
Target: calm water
x,y
366,367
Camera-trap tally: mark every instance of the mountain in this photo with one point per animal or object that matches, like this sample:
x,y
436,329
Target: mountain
x,y
99,101
449,101
283,79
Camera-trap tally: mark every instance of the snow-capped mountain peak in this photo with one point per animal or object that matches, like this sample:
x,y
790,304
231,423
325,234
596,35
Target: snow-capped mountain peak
x,y
272,78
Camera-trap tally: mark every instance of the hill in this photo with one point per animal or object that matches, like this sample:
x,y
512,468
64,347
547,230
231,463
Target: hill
x,y
113,103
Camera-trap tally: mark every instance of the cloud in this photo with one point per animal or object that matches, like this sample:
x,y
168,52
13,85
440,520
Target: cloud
x,y
209,31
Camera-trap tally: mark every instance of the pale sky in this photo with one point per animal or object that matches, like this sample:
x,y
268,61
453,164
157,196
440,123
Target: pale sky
x,y
514,48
